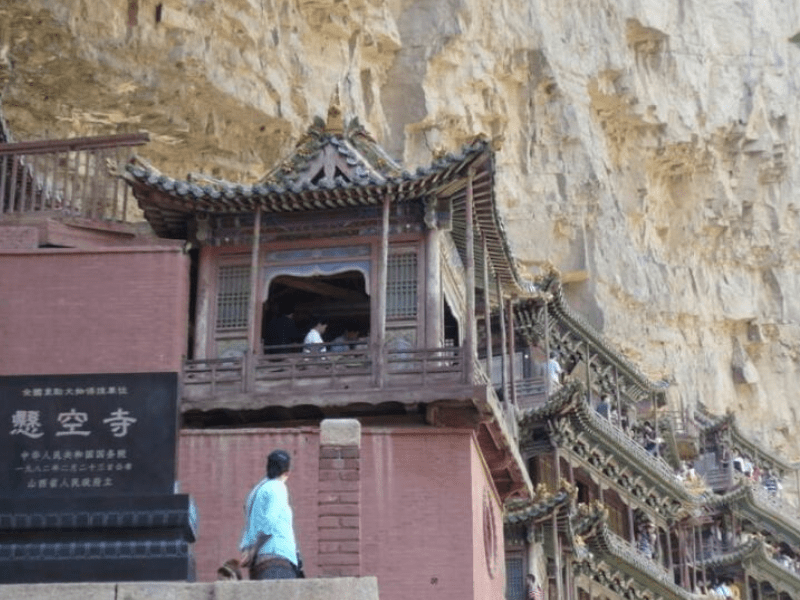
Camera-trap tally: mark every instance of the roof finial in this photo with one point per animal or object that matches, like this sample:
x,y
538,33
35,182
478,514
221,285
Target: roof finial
x,y
335,123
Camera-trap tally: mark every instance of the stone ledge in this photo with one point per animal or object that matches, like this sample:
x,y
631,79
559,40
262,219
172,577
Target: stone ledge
x,y
338,588
340,432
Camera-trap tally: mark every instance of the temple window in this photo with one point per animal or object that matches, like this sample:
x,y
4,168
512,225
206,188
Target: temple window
x,y
515,577
233,294
617,513
401,297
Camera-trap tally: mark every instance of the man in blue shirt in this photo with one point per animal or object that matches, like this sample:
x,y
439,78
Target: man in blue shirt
x,y
268,512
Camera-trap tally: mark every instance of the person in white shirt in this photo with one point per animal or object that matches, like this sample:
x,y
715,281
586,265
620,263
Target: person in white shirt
x,y
554,370
313,341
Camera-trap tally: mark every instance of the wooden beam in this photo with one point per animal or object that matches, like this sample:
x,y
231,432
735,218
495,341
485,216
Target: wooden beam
x,y
512,352
320,287
487,313
254,300
469,234
503,343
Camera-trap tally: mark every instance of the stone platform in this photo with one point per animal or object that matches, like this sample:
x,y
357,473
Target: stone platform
x,y
343,588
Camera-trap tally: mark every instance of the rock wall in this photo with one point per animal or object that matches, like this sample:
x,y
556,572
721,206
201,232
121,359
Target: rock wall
x,y
649,149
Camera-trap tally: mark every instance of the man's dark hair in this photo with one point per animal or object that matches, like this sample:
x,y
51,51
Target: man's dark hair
x,y
278,463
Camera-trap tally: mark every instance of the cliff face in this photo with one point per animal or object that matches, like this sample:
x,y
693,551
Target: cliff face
x,y
649,149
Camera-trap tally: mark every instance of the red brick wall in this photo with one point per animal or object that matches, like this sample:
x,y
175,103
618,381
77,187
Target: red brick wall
x,y
219,468
417,512
419,490
339,505
101,311
489,575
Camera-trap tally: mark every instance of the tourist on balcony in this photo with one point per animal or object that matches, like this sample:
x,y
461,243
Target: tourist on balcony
x,y
723,589
313,341
269,529
603,407
771,483
349,340
650,440
648,540
281,331
555,371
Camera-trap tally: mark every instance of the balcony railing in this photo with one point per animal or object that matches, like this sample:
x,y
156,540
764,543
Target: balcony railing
x,y
77,177
633,556
289,367
531,392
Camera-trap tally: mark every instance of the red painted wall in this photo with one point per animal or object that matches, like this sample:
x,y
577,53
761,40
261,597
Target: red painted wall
x,y
422,498
416,534
488,550
218,468
121,310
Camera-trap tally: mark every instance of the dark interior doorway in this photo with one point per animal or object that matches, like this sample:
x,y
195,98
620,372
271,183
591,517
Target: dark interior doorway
x,y
341,299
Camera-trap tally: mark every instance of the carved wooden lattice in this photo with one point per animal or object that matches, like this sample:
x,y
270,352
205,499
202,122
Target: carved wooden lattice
x,y
233,294
401,296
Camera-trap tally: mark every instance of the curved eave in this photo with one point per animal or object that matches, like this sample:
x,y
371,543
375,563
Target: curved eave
x,y
588,420
570,401
759,560
739,438
559,309
560,402
605,545
759,508
735,556
540,507
168,204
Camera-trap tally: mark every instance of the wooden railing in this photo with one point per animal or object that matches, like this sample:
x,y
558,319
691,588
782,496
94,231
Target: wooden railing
x,y
75,176
291,367
216,374
531,392
426,366
633,556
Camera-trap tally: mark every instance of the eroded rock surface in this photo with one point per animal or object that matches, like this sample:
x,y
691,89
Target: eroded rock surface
x,y
649,148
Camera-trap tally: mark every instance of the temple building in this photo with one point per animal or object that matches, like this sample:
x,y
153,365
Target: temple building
x,y
456,430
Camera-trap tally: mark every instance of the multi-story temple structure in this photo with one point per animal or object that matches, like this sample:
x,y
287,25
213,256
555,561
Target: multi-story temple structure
x,y
456,429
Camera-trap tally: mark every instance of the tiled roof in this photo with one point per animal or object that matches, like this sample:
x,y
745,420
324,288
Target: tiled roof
x,y
337,169
742,443
542,505
570,401
552,293
769,512
609,557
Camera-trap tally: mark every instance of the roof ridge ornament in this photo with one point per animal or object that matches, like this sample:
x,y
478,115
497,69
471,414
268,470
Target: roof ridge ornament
x,y
334,125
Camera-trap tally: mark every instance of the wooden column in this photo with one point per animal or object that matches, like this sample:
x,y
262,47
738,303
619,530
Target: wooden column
x,y
588,373
616,394
252,335
670,565
503,342
548,382
379,350
203,328
557,557
631,526
469,235
797,478
487,313
655,423
512,353
434,337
